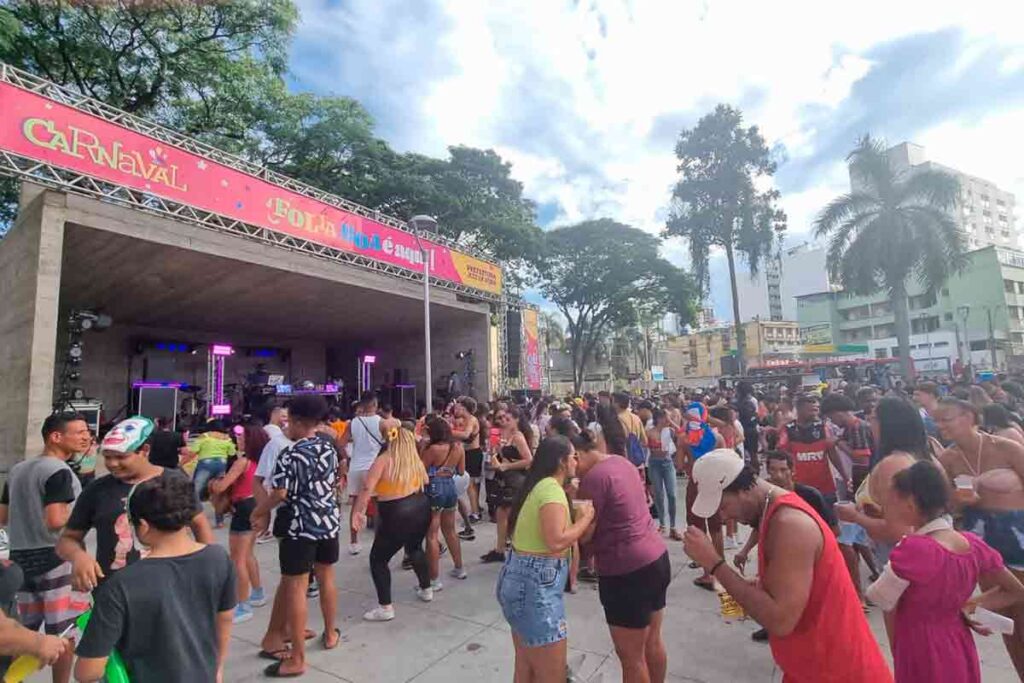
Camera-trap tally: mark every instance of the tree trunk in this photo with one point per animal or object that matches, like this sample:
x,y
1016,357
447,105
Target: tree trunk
x,y
901,313
741,342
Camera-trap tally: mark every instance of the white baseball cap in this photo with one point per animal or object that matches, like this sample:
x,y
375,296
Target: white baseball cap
x,y
712,472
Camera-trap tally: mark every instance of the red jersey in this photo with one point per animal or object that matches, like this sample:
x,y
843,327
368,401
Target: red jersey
x,y
832,642
808,445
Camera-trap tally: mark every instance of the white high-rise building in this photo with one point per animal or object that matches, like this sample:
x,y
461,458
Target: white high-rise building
x,y
771,294
987,213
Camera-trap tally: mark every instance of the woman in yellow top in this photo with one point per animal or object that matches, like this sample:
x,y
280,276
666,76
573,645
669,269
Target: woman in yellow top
x,y
532,581
212,448
397,478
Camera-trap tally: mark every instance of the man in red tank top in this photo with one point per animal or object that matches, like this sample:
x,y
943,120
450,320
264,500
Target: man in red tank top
x,y
803,597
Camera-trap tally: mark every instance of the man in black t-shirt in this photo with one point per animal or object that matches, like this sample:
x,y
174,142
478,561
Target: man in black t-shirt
x,y
169,615
165,446
102,507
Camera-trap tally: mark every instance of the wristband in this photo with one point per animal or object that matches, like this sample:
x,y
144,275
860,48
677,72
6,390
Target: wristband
x,y
711,572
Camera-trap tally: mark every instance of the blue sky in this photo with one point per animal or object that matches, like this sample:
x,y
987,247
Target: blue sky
x,y
587,97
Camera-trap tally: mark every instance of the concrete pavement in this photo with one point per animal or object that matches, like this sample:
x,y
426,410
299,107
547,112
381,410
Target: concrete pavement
x,y
462,636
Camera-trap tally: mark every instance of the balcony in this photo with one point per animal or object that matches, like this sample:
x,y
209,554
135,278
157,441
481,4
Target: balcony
x,y
867,322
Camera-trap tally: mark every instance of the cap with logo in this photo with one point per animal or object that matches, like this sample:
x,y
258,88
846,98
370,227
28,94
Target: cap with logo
x,y
128,435
712,473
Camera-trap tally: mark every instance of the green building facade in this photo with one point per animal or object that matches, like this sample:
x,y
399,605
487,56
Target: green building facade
x,y
977,311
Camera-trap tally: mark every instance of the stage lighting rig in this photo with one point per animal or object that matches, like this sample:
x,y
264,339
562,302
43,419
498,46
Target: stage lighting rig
x,y
79,321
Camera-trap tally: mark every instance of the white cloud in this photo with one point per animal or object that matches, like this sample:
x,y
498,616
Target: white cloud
x,y
586,98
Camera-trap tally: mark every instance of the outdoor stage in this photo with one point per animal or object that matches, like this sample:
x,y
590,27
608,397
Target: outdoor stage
x,y
184,246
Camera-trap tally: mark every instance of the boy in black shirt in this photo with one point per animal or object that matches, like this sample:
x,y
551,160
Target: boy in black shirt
x,y
169,615
102,507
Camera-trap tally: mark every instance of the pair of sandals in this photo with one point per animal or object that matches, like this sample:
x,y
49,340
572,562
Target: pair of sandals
x,y
281,656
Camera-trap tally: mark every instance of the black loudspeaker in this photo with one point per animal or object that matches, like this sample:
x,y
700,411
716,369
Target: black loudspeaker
x,y
401,376
157,402
514,341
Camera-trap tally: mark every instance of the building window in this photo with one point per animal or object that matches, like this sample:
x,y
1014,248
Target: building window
x,y
947,317
895,352
940,345
1009,286
945,291
1020,287
880,353
979,345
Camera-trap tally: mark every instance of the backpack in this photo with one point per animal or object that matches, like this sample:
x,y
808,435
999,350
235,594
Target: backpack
x,y
635,450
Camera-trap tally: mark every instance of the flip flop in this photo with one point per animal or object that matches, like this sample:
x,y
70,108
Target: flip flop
x,y
274,671
323,640
275,655
706,585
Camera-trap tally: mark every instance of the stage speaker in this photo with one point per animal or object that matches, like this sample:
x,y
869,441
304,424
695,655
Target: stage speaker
x,y
514,341
403,398
157,402
401,376
91,411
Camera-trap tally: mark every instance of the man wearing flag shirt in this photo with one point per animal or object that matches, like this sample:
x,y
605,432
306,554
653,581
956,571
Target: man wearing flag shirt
x,y
812,447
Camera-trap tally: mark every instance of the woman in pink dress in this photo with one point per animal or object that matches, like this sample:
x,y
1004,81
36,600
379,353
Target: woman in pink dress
x,y
929,580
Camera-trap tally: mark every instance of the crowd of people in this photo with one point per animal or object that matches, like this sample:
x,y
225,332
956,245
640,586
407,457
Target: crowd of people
x,y
905,500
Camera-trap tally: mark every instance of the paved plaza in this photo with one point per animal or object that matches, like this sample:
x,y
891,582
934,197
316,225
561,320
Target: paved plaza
x,y
461,635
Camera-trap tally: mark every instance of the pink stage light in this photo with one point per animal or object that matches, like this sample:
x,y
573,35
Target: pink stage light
x,y
369,360
223,350
222,409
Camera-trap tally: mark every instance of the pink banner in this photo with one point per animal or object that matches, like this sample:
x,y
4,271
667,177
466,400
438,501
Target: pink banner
x,y
39,128
531,342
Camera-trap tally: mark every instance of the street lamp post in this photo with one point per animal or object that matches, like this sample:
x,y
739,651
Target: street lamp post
x,y
965,312
419,224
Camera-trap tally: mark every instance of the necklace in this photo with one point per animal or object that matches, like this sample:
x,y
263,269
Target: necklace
x,y
767,501
974,470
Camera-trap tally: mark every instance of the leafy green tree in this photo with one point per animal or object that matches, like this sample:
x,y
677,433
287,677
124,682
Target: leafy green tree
x,y
596,272
891,227
716,201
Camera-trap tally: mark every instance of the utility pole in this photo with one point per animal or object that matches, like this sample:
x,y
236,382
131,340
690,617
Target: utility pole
x,y
991,338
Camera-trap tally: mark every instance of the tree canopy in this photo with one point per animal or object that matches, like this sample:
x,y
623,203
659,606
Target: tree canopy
x,y
717,203
598,272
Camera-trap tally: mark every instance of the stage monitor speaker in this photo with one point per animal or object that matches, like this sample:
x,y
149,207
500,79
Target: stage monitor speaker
x,y
91,410
157,402
403,398
514,342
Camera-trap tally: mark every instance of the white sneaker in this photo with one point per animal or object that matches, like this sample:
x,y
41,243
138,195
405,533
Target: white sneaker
x,y
458,573
730,543
380,613
436,585
355,549
425,594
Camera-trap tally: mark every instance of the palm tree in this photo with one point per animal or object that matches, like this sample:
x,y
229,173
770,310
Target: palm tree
x,y
891,226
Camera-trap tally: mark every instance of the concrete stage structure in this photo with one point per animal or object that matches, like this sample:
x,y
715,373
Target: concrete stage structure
x,y
166,270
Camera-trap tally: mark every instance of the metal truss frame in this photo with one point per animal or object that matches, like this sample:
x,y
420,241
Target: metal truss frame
x,y
73,182
78,183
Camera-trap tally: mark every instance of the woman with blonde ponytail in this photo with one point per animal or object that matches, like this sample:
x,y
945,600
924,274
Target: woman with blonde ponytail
x,y
397,478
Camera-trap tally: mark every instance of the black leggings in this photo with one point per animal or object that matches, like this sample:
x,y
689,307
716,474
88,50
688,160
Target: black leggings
x,y
402,523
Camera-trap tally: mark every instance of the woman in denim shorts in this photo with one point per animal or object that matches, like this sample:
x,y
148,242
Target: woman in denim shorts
x,y
532,581
444,457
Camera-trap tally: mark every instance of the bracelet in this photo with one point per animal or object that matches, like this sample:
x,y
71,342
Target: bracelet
x,y
711,572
